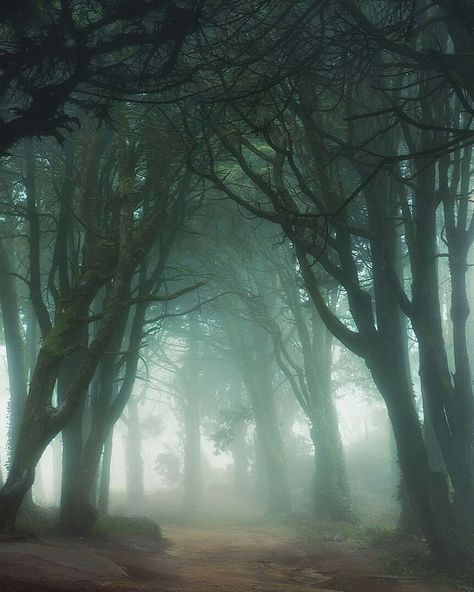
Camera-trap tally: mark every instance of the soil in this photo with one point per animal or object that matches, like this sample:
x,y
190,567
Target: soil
x,y
217,559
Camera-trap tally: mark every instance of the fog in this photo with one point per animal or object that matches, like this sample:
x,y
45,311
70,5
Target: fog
x,y
363,423
236,339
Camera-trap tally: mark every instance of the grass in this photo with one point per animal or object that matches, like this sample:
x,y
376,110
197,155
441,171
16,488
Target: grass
x,y
116,526
37,521
396,553
34,521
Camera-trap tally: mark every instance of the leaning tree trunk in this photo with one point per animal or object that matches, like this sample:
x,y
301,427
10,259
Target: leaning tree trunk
x,y
35,433
428,495
386,358
40,422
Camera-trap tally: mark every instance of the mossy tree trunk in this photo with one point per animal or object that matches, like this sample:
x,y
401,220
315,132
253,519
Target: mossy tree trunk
x,y
15,347
41,419
255,363
309,376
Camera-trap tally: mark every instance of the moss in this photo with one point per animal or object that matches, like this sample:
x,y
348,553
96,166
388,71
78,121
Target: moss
x,y
55,342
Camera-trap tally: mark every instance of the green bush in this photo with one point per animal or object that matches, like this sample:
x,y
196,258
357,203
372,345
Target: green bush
x,y
116,526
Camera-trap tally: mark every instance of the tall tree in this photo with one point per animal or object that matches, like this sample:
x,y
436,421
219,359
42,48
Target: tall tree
x,y
119,231
321,179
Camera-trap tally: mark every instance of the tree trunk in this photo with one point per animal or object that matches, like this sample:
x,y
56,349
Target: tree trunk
x,y
427,494
15,347
258,473
104,484
71,509
78,512
268,434
35,433
99,265
450,399
241,462
331,490
71,518
332,496
311,385
238,446
39,422
134,459
254,361
192,452
385,354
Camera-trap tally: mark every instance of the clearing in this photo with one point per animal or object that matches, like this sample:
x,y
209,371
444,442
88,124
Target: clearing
x,y
200,559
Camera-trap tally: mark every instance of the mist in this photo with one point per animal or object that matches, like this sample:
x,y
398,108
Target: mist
x,y
235,295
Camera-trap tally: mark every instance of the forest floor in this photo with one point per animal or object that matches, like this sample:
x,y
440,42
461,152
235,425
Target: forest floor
x,y
202,559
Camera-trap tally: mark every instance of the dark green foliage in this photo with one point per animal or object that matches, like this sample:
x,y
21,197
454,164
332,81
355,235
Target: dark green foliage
x,y
116,527
36,522
230,420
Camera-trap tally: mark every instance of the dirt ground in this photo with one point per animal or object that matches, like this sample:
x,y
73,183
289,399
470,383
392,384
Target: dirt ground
x,y
225,559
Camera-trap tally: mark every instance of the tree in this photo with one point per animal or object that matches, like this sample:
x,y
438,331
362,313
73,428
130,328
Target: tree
x,y
322,179
82,53
91,54
308,366
120,226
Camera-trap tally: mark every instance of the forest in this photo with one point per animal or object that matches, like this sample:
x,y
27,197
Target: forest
x,y
235,292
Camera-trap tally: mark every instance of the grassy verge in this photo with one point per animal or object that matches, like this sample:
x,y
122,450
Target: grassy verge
x,y
139,532
395,552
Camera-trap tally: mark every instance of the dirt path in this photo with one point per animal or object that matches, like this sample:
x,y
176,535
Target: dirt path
x,y
256,560
224,559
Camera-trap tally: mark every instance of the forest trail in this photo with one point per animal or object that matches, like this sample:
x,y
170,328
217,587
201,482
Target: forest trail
x,y
217,559
239,559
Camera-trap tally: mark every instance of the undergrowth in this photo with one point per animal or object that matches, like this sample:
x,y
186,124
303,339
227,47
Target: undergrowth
x,y
39,521
395,552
